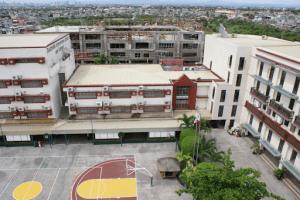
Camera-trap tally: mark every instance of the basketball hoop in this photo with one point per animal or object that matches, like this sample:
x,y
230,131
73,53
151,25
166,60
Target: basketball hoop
x,y
131,169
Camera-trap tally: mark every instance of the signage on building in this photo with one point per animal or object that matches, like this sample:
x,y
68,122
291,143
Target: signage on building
x,y
53,46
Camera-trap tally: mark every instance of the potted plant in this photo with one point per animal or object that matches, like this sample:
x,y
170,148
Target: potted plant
x,y
279,173
255,148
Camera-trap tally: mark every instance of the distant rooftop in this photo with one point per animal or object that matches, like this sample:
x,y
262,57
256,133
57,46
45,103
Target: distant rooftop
x,y
28,40
131,74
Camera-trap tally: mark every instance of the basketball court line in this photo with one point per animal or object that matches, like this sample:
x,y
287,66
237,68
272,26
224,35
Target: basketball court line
x,y
9,182
53,184
71,156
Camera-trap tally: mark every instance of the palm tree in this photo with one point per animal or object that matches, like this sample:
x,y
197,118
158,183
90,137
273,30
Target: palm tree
x,y
216,156
187,121
206,148
204,126
185,159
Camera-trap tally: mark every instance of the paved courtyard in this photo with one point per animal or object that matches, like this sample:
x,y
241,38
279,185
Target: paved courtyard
x,y
56,168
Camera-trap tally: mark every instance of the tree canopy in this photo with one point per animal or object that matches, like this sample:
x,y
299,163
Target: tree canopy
x,y
101,59
209,182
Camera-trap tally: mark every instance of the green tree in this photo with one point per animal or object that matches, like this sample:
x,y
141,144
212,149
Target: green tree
x,y
114,61
251,16
184,160
206,181
185,133
101,59
187,121
204,126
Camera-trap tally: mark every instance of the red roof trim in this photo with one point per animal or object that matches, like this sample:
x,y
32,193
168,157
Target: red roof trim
x,y
273,54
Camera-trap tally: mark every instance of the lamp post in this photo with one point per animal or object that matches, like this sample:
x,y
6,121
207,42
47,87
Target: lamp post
x,y
196,109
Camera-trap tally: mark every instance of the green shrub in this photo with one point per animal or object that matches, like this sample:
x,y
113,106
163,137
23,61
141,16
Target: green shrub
x,y
186,132
187,145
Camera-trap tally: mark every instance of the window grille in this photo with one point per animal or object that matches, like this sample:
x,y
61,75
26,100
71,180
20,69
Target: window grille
x,y
123,94
117,54
85,95
189,54
120,109
2,84
93,45
34,99
190,46
5,115
166,45
183,91
117,46
154,94
87,110
31,84
137,55
154,108
36,115
4,100
26,60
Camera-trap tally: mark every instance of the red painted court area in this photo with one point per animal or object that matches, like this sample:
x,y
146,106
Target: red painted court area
x,y
110,169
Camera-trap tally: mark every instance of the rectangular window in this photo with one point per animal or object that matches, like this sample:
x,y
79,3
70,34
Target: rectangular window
x,y
282,78
286,123
268,90
228,76
76,45
213,93
273,114
5,115
278,96
238,80
189,54
31,84
271,73
293,156
190,36
231,123
260,126
4,100
2,84
236,95
261,69
26,60
251,119
280,146
269,136
242,63
85,95
92,36
117,54
182,103
296,85
146,55
154,108
120,109
257,85
292,103
230,61
154,94
223,96
123,94
190,46
211,107
142,45
220,113
137,55
36,115
34,99
87,110
117,45
93,45
166,45
233,110
166,54
183,91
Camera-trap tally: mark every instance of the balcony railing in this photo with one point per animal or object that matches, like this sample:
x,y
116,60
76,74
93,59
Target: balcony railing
x,y
297,120
282,110
261,96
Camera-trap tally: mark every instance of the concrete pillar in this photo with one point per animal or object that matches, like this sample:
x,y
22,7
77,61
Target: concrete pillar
x,y
105,44
81,45
178,39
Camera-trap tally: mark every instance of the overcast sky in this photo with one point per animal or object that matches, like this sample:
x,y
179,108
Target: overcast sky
x,y
296,3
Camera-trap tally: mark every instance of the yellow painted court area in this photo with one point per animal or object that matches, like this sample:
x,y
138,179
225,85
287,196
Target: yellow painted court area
x,y
107,188
27,190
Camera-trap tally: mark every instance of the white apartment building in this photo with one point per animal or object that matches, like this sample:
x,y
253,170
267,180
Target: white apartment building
x,y
266,72
32,69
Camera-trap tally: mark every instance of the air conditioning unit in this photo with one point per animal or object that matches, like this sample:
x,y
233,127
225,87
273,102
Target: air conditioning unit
x,y
141,103
192,68
21,109
264,37
12,108
167,102
47,107
106,103
278,119
256,103
99,104
15,77
234,35
20,76
105,88
185,68
41,92
18,93
142,87
72,104
70,89
198,78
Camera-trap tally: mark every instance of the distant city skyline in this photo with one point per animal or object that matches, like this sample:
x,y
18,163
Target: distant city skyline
x,y
290,3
